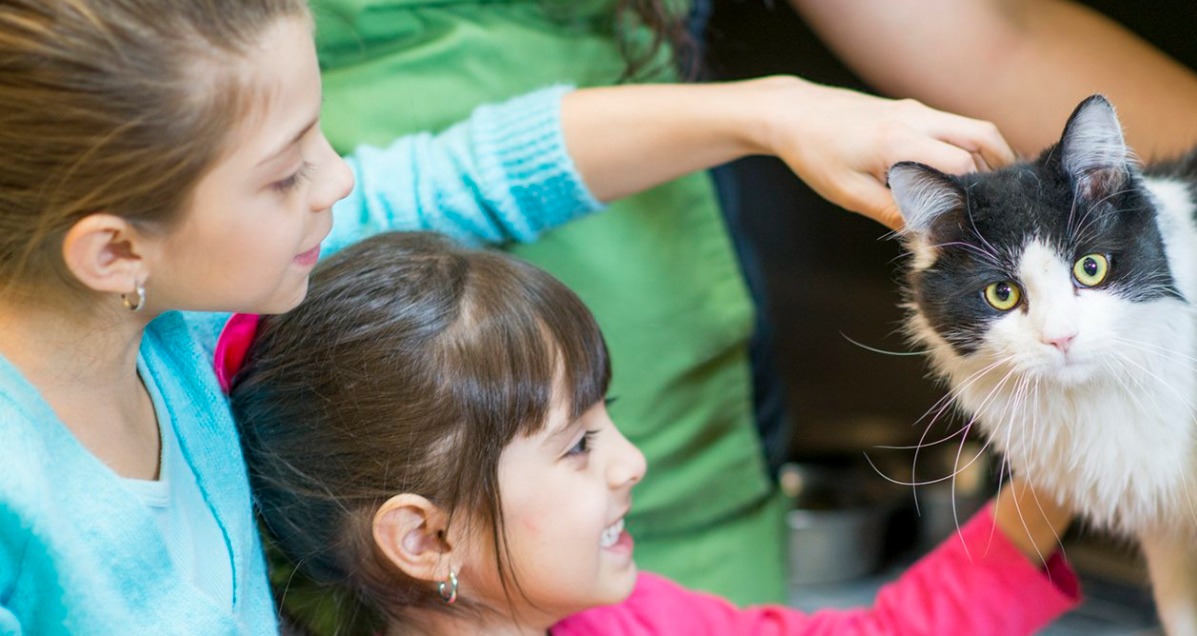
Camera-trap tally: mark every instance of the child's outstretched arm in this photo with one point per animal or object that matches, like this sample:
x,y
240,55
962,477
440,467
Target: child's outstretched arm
x,y
984,581
515,169
502,175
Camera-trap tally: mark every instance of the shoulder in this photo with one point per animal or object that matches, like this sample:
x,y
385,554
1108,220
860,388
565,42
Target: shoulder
x,y
656,606
189,330
25,478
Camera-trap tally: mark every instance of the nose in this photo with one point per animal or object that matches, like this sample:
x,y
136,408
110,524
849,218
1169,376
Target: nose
x,y
627,465
336,183
1062,342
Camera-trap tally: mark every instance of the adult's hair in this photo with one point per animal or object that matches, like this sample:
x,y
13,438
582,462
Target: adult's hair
x,y
408,369
669,32
118,106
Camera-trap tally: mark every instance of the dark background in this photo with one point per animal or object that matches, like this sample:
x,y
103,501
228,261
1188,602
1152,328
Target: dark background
x,y
831,276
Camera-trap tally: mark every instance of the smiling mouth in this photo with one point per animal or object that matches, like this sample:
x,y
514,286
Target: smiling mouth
x,y
611,534
309,257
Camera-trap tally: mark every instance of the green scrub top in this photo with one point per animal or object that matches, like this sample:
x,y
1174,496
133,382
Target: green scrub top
x,y
657,269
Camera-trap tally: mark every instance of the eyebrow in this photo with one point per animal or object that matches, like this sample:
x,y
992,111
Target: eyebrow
x,y
274,155
563,432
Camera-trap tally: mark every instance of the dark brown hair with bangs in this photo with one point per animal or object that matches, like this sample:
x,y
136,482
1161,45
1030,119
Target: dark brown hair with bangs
x,y
409,368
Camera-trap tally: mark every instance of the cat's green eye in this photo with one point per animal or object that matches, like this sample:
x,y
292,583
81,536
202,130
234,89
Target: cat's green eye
x,y
1090,270
1003,296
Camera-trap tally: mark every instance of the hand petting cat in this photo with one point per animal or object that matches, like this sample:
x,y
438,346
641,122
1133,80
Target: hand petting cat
x,y
842,143
628,138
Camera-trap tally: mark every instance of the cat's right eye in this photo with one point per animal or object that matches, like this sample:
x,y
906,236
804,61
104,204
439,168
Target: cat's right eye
x,y
1003,296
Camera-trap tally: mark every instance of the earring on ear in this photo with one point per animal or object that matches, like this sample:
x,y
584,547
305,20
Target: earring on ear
x,y
136,300
448,588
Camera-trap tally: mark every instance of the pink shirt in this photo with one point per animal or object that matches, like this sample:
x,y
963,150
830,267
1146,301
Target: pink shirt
x,y
990,588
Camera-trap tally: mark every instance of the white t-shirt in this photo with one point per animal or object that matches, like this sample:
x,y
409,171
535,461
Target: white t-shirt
x,y
193,537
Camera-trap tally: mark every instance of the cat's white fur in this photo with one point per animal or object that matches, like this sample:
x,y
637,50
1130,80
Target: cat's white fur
x,y
1110,424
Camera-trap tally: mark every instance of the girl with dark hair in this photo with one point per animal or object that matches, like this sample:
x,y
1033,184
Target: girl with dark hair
x,y
428,433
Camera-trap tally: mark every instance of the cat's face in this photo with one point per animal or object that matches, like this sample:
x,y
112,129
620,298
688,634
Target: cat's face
x,y
1047,269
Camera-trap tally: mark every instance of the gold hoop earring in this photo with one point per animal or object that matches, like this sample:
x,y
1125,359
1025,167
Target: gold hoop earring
x,y
448,589
136,300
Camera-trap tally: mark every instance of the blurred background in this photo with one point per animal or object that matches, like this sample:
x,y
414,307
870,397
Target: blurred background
x,y
831,279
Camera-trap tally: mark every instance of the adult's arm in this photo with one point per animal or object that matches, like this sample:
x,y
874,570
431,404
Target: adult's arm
x,y
1022,64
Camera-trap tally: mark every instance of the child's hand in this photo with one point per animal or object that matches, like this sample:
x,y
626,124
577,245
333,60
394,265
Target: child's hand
x,y
842,143
1033,520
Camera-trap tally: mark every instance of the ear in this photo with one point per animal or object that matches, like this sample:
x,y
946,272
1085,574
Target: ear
x,y
413,535
1093,151
101,251
923,194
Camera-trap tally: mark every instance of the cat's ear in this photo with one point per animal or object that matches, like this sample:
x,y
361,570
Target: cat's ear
x,y
1093,151
923,194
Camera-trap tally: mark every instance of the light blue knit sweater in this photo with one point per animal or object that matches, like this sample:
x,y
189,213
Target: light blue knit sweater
x,y
81,555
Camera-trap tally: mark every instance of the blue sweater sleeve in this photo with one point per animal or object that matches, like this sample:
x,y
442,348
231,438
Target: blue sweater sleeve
x,y
502,175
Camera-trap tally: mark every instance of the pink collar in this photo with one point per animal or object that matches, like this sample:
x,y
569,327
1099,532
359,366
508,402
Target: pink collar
x,y
232,345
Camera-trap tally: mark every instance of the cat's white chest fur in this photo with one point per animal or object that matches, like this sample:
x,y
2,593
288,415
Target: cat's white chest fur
x,y
1109,418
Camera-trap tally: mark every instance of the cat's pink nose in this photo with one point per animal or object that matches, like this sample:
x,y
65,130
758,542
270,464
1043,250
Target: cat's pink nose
x,y
1063,343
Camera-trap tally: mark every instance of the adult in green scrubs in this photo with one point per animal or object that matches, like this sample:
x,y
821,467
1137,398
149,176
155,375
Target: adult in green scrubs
x,y
657,269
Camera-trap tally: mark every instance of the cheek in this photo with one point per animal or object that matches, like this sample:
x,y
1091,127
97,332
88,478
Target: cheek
x,y
1011,334
1100,317
530,527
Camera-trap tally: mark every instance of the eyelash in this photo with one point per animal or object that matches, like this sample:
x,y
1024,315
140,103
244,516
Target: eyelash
x,y
297,177
583,445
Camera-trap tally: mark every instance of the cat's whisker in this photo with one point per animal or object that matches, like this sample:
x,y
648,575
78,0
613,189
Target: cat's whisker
x,y
921,444
989,248
1188,497
940,407
991,258
881,351
1188,363
908,484
1121,374
957,470
1030,480
1162,382
1143,345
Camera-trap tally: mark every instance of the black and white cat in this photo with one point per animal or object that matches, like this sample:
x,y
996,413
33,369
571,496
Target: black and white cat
x,y
1057,297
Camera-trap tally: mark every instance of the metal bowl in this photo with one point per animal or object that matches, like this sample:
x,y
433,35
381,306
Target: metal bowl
x,y
836,523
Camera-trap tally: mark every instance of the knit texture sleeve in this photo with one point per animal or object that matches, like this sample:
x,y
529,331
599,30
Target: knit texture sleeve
x,y
975,583
502,175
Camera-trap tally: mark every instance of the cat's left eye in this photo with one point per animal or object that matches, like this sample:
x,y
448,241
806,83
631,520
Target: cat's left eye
x,y
1091,270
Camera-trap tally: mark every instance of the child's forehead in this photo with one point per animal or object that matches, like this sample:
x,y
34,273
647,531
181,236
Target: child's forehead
x,y
279,82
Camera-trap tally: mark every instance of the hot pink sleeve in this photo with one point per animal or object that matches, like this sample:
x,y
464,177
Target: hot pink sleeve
x,y
975,583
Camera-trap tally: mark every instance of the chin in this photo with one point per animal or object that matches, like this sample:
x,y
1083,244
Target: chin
x,y
282,302
620,586
1069,373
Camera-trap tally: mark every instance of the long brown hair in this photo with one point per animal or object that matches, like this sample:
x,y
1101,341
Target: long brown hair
x,y
112,105
409,368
